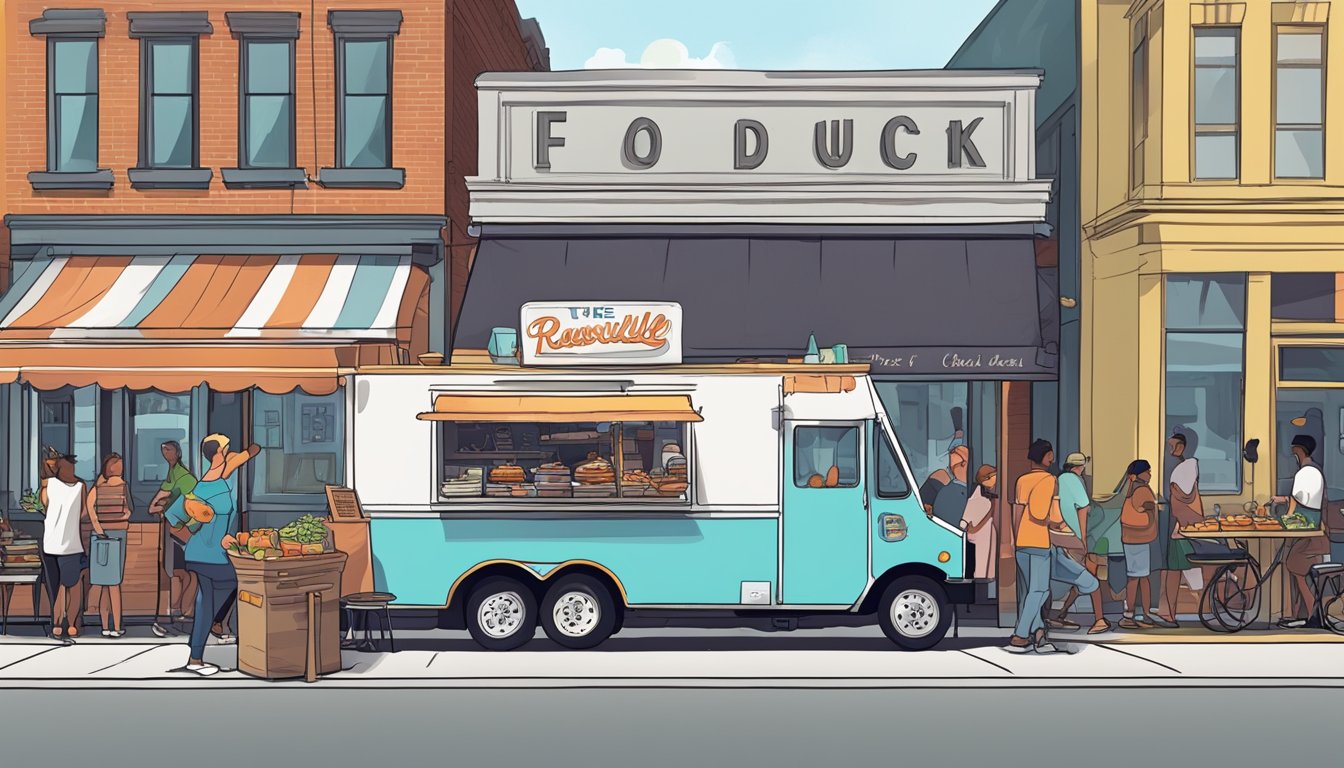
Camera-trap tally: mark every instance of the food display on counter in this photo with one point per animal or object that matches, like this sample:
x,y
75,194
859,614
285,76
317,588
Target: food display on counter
x,y
1204,526
595,470
1298,522
1262,523
507,474
553,480
1237,523
308,535
18,554
468,483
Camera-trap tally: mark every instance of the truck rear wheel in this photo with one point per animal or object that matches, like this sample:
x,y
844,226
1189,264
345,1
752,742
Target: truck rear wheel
x,y
578,612
914,613
501,614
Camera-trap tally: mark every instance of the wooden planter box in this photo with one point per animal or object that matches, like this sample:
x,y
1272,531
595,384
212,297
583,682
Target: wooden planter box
x,y
273,614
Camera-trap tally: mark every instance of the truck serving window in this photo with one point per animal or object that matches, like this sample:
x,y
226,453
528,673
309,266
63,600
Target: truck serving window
x,y
826,457
582,460
891,481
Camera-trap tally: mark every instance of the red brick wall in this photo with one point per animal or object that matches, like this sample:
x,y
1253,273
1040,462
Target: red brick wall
x,y
419,91
483,36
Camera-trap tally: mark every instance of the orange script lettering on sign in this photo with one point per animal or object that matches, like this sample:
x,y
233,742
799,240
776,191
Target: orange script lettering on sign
x,y
648,329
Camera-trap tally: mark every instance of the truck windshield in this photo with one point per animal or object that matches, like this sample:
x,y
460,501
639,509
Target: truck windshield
x,y
891,480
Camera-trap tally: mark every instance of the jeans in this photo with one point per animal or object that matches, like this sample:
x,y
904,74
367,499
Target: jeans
x,y
1069,571
1034,564
214,582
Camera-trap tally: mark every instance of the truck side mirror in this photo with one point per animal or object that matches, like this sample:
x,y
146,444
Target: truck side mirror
x,y
1252,451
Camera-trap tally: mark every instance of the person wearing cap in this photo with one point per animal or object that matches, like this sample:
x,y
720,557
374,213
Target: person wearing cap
x,y
1071,564
204,554
1138,530
63,560
1187,508
977,520
1308,499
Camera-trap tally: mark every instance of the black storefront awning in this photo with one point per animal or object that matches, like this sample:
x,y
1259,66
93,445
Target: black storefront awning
x,y
955,308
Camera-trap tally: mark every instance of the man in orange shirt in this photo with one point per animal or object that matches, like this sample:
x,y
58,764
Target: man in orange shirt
x,y
1038,512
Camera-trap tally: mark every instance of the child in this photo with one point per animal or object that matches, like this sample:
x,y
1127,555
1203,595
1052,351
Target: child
x,y
1138,530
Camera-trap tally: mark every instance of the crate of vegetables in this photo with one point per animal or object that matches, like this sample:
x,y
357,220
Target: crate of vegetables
x,y
306,536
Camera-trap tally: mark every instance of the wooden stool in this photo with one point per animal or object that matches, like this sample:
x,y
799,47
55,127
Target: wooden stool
x,y
359,607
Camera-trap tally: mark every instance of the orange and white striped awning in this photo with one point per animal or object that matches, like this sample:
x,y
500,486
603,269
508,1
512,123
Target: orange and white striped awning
x,y
312,297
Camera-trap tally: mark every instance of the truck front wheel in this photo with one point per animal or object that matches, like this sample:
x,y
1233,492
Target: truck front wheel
x,y
914,613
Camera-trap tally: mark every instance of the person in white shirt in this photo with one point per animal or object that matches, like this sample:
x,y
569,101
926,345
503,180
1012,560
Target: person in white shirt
x,y
63,506
1308,498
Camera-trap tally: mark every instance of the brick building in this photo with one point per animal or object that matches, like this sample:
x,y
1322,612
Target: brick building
x,y
215,209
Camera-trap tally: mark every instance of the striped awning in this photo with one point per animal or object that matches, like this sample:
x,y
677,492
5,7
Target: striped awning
x,y
259,297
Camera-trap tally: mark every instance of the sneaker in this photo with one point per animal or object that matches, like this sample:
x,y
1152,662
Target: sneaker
x,y
1292,623
1163,623
116,633
226,639
159,630
1019,645
1061,623
204,670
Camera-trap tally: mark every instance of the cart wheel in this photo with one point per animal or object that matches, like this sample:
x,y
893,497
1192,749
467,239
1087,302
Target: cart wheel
x,y
1333,611
578,612
914,613
1206,612
501,614
1235,595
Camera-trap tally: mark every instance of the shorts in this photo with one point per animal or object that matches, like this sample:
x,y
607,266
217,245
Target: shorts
x,y
107,558
1064,568
1178,554
64,570
1137,560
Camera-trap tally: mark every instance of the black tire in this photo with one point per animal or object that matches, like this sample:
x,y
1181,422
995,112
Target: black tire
x,y
916,629
511,598
587,612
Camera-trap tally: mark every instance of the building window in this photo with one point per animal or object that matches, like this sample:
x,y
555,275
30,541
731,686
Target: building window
x,y
1205,370
891,480
363,156
169,117
72,105
1138,102
302,438
266,125
1304,296
1217,105
158,418
1299,103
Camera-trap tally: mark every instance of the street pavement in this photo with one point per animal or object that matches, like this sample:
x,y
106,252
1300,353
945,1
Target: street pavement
x,y
844,657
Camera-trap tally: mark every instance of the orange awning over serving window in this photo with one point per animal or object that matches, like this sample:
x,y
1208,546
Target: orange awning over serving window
x,y
274,368
561,408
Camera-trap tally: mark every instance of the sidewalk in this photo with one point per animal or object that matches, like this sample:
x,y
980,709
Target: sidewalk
x,y
833,658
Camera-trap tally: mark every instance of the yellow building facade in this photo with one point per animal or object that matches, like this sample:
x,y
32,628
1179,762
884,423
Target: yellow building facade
x,y
1212,210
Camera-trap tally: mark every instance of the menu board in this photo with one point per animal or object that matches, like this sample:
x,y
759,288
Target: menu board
x,y
344,504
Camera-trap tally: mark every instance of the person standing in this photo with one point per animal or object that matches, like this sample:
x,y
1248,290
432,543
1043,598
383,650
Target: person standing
x,y
1308,499
178,483
950,503
1034,504
1071,558
978,521
62,551
1138,530
109,504
1187,508
203,553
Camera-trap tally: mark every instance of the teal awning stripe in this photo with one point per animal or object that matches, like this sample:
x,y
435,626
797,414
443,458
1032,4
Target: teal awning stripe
x,y
368,290
158,290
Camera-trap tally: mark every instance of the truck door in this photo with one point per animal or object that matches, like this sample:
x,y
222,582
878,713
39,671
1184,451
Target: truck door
x,y
825,551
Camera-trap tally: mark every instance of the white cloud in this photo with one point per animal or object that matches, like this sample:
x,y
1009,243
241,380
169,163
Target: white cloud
x,y
663,54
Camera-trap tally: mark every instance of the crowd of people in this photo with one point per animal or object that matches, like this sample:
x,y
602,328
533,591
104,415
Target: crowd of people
x,y
1060,535
196,515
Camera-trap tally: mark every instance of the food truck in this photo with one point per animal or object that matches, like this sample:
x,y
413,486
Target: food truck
x,y
570,489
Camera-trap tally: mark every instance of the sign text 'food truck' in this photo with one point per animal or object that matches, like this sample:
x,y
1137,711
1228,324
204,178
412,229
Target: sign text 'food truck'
x,y
569,333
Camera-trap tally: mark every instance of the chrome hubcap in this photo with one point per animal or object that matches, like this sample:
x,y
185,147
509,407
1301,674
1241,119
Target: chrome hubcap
x,y
501,614
914,613
576,614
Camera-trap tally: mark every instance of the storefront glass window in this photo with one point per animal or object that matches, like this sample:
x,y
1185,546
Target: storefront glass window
x,y
157,418
930,420
68,422
302,438
1205,364
587,460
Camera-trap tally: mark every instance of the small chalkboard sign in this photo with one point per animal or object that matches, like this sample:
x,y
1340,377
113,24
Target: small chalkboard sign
x,y
344,505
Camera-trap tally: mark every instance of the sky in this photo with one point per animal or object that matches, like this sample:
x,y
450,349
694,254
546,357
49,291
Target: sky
x,y
755,34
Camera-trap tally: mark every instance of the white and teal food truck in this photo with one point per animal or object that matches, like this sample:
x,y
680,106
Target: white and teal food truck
x,y
510,496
